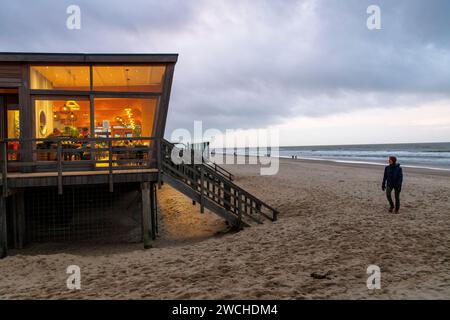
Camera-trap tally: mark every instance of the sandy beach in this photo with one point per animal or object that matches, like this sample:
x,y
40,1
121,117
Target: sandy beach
x,y
333,220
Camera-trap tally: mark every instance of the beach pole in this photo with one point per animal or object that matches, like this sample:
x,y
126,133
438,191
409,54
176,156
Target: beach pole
x,y
257,154
3,235
247,155
146,209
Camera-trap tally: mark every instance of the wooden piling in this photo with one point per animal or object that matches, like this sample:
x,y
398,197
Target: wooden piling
x,y
19,220
146,214
3,229
156,212
153,208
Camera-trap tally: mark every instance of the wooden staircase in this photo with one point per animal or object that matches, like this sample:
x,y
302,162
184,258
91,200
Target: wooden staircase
x,y
212,187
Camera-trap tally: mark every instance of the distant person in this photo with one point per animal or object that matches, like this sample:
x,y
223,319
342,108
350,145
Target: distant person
x,y
392,181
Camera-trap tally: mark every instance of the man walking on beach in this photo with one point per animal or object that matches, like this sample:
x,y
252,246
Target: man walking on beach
x,y
392,181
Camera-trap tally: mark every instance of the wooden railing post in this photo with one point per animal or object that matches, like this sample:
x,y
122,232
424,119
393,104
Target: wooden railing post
x,y
245,204
149,152
4,169
59,158
239,208
3,229
159,157
110,166
202,208
227,196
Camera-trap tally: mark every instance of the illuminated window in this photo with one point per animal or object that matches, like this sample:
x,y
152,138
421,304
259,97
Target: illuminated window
x,y
128,78
62,118
60,77
13,126
124,117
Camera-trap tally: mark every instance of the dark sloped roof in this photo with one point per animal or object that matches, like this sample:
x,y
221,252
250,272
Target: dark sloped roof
x,y
87,57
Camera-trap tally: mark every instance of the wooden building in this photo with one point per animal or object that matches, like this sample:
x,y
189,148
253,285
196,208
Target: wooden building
x,y
78,120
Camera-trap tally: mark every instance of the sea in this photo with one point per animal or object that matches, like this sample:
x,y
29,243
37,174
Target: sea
x,y
421,155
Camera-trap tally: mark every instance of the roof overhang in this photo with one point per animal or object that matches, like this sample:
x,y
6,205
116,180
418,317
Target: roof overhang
x,y
88,57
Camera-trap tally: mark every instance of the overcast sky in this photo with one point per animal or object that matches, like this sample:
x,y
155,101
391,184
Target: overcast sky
x,y
309,68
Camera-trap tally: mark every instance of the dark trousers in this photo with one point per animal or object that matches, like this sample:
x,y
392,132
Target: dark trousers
x,y
397,197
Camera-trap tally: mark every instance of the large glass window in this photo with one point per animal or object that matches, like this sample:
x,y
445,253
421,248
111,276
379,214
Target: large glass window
x,y
13,126
60,77
128,78
62,118
124,117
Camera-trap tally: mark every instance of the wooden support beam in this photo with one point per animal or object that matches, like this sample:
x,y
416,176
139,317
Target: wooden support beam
x,y
146,211
3,229
4,169
158,161
59,158
156,212
110,165
19,220
153,208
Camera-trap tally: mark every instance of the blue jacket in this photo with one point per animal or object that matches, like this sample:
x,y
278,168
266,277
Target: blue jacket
x,y
393,176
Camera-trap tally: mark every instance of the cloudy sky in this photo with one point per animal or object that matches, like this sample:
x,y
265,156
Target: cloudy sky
x,y
311,69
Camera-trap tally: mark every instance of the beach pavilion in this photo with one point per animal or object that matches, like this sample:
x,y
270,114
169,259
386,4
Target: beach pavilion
x,y
83,151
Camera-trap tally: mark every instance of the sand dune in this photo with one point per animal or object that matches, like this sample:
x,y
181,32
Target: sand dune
x,y
333,220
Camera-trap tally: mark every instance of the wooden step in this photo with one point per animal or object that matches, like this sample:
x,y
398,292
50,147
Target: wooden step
x,y
195,196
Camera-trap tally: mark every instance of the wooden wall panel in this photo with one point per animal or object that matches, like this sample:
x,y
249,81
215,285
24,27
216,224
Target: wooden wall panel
x,y
10,73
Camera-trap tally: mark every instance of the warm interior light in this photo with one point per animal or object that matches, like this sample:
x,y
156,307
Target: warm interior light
x,y
72,105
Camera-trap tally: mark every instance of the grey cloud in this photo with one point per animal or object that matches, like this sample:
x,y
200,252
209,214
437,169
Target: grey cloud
x,y
252,63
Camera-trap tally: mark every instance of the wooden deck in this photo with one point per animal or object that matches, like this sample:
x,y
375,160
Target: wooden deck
x,y
40,179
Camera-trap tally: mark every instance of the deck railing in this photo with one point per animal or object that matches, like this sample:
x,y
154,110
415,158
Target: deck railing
x,y
65,154
215,186
60,155
197,157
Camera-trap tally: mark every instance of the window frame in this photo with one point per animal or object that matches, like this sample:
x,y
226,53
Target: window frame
x,y
92,65
91,78
52,94
34,98
58,91
157,109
